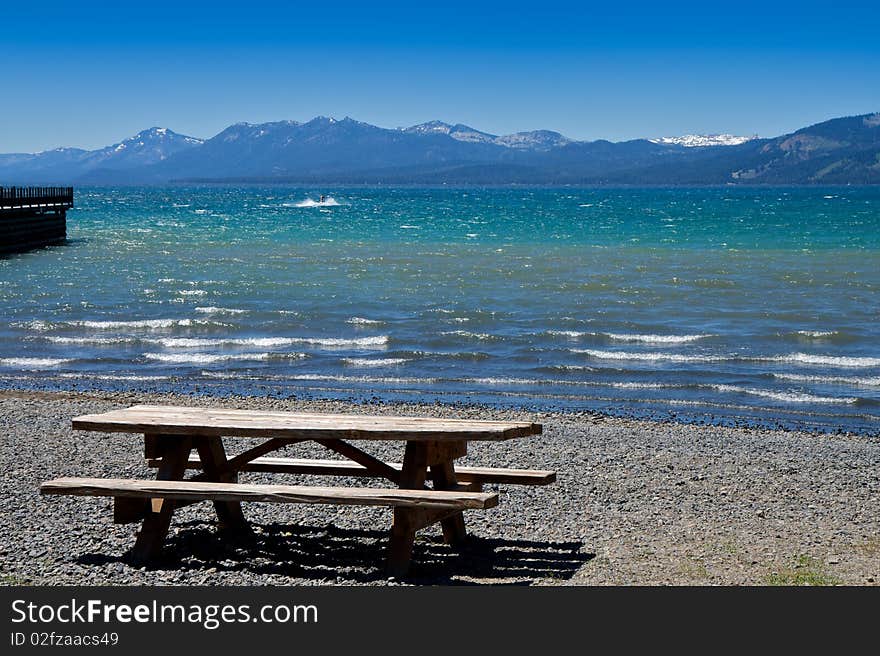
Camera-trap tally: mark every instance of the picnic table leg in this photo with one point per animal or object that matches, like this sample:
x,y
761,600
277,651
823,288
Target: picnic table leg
x,y
174,450
216,468
403,529
443,475
127,510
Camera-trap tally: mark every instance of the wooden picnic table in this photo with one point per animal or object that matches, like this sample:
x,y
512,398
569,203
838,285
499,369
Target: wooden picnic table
x,y
172,433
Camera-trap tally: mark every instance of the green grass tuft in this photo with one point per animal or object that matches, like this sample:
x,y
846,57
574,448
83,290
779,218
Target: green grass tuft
x,y
805,571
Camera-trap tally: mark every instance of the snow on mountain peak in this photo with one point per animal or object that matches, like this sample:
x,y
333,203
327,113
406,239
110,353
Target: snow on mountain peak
x,y
538,139
703,140
431,127
459,132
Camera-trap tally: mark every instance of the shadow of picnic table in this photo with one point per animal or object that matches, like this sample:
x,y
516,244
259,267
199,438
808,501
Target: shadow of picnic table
x,y
346,555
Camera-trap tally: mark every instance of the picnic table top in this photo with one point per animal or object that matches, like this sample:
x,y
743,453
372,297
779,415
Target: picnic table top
x,y
178,420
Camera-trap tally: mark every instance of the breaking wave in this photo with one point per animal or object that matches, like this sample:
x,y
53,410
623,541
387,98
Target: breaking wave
x,y
797,358
373,362
328,201
817,334
149,324
789,397
99,341
208,358
470,335
655,339
831,380
630,337
827,360
273,342
219,310
360,321
90,376
33,363
649,357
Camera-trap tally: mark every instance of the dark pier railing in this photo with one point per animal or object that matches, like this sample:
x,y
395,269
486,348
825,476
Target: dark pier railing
x,y
31,217
20,197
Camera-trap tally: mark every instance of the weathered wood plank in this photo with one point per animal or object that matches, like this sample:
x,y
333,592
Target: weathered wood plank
x,y
216,468
408,520
440,452
484,475
297,426
373,465
202,491
242,459
157,519
443,475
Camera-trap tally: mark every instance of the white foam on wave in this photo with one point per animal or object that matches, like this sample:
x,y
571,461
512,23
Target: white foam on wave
x,y
817,334
191,292
344,342
33,363
649,357
571,367
795,358
219,310
327,377
789,397
99,341
208,358
827,360
507,381
378,341
87,376
203,358
633,385
574,334
200,342
361,321
655,339
831,380
328,201
577,383
373,362
150,324
469,335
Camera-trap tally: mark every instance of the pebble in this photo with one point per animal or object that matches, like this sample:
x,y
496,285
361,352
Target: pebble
x,y
636,501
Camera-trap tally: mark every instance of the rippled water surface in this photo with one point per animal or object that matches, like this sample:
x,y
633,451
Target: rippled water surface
x,y
721,304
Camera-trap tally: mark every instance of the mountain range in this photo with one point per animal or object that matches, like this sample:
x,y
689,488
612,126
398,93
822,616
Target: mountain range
x,y
325,150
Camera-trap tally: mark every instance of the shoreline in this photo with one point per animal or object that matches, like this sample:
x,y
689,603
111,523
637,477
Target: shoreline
x,y
636,502
394,397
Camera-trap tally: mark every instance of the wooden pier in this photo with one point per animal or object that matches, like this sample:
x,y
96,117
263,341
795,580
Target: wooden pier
x,y
31,217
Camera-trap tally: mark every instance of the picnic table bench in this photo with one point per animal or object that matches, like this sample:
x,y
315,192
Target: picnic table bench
x,y
171,434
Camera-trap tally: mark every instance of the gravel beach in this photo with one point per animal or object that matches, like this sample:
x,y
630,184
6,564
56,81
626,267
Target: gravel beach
x,y
636,502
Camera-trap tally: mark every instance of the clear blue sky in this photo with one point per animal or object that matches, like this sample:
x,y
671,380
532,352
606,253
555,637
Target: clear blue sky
x,y
81,73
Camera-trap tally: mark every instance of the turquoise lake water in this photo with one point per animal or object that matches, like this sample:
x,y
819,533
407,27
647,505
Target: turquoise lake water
x,y
733,305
